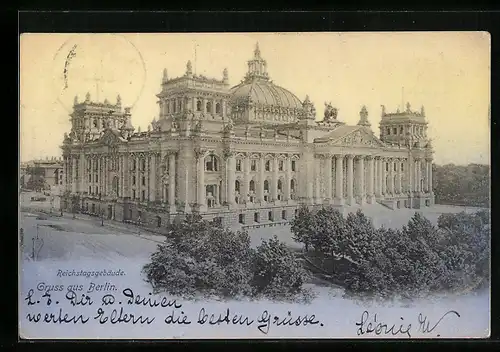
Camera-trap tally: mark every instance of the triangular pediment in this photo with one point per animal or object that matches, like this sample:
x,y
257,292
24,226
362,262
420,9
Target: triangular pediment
x,y
359,137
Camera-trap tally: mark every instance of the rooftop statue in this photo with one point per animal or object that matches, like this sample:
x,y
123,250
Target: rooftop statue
x,y
330,112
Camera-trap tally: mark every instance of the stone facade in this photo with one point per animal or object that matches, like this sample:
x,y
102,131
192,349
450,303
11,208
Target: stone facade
x,y
245,155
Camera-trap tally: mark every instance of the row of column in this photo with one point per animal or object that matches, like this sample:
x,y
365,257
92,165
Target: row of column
x,y
175,105
384,178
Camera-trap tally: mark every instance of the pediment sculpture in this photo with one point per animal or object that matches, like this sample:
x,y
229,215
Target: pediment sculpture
x,y
358,138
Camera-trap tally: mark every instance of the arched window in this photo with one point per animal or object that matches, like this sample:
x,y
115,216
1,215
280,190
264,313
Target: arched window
x,y
209,106
237,186
292,185
95,122
266,185
143,164
218,108
198,105
280,186
252,186
211,163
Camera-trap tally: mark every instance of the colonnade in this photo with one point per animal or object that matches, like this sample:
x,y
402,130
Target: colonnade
x,y
258,178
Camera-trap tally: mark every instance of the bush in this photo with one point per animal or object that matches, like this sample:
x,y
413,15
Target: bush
x,y
201,257
278,274
417,260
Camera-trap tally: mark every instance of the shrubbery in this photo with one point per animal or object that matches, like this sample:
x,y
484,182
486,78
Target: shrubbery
x,y
416,260
201,257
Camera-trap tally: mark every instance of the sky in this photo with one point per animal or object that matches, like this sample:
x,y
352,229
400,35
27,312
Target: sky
x,y
446,72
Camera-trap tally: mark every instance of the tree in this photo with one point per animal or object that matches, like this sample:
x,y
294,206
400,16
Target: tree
x,y
302,226
359,236
330,232
198,256
36,181
278,273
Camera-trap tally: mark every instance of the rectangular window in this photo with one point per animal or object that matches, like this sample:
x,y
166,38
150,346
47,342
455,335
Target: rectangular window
x,y
293,165
143,195
402,166
238,165
90,189
96,178
388,131
280,165
268,165
395,130
386,166
401,131
395,167
283,214
133,180
256,217
253,165
143,181
270,216
133,194
241,218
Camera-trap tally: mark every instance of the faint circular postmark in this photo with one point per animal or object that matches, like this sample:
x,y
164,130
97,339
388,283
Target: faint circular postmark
x,y
103,65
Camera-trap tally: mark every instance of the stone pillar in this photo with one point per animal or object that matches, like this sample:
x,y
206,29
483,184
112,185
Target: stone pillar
x,y
317,179
384,176
73,174
137,179
361,179
288,177
246,178
152,178
397,186
261,179
120,176
200,174
328,177
104,171
274,187
231,166
429,176
391,176
350,180
371,180
419,175
339,181
307,176
83,174
171,181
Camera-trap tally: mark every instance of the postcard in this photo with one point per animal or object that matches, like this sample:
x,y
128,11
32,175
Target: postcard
x,y
254,185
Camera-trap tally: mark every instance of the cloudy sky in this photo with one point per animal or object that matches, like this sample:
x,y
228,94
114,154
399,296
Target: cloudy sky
x,y
447,72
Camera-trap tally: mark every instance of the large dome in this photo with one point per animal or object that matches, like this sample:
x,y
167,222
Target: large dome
x,y
266,93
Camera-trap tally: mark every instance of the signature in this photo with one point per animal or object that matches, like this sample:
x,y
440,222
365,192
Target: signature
x,y
71,54
372,325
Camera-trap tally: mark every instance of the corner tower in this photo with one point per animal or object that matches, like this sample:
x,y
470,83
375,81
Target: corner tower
x,y
404,127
